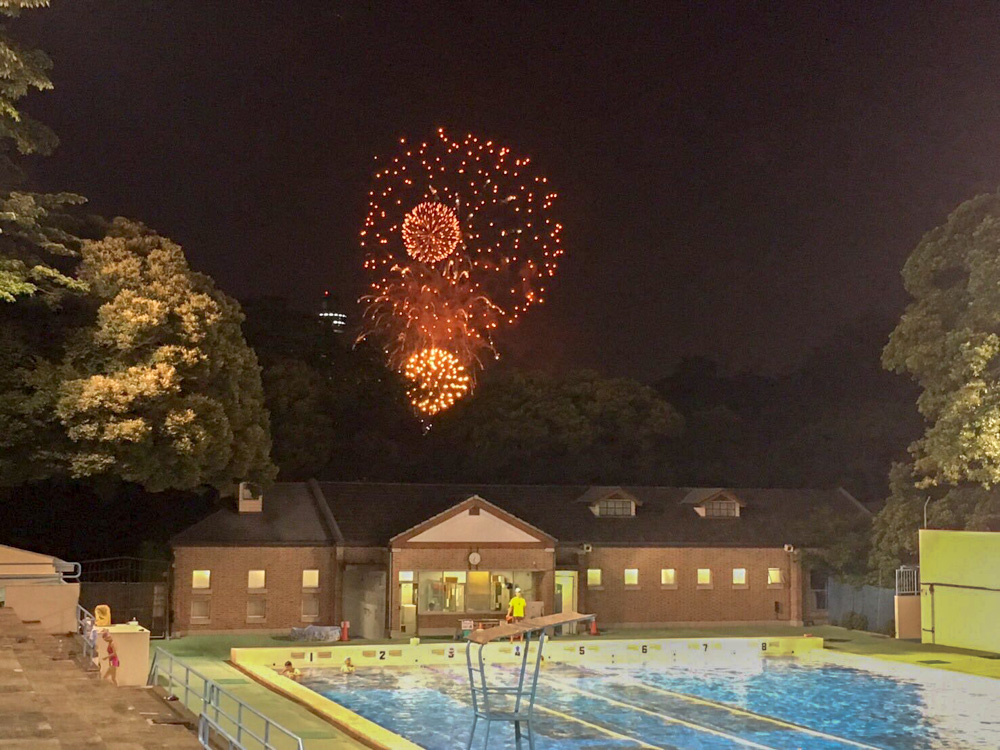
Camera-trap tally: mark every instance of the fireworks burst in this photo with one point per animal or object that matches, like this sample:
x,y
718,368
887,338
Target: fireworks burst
x,y
431,232
436,380
459,240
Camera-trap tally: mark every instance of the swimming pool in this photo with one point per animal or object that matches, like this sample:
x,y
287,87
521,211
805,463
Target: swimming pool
x,y
767,703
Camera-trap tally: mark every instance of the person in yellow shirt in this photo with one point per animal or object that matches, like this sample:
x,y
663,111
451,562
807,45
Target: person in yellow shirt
x,y
515,610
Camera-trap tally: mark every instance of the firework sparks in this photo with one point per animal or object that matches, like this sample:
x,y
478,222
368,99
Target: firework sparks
x,y
459,240
436,380
431,232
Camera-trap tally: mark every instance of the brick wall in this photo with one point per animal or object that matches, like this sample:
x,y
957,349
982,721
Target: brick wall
x,y
649,603
229,594
457,558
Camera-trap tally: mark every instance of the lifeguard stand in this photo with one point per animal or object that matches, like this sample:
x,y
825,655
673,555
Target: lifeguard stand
x,y
494,703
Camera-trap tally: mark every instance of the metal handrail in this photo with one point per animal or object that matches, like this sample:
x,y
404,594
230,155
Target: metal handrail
x,y
87,632
56,569
211,713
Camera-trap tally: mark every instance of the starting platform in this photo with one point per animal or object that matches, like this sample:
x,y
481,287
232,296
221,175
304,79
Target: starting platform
x,y
512,704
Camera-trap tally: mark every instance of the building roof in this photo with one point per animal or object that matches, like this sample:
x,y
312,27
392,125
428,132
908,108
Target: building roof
x,y
293,514
370,514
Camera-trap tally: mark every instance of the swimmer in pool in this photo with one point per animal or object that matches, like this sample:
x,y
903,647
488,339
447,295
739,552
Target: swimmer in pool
x,y
348,666
291,672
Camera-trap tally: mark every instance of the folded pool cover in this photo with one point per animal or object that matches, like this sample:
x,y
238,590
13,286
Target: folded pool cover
x,y
316,633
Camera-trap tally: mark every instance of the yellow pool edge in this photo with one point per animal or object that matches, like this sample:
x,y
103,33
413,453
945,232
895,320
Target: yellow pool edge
x,y
363,730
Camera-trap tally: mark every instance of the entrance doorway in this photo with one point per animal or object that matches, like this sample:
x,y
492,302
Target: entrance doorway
x,y
566,596
364,600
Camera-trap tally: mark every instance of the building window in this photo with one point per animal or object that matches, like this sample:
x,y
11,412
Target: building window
x,y
256,608
201,579
255,579
774,577
721,509
593,577
704,578
739,578
310,607
631,576
201,609
406,576
668,578
618,508
310,579
468,590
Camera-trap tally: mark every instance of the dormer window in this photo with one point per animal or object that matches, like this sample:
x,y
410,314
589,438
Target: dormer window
x,y
714,503
615,507
722,508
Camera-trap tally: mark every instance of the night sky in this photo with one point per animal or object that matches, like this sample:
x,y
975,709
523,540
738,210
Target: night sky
x,y
739,180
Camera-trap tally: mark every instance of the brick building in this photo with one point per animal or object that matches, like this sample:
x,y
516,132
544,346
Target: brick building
x,y
406,559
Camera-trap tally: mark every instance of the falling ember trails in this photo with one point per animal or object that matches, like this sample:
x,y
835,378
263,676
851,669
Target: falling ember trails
x,y
459,239
431,232
436,380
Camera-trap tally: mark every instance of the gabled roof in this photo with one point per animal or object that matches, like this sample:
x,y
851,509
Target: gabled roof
x,y
293,514
371,514
594,495
472,502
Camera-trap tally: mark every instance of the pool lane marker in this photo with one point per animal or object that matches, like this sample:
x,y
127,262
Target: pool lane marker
x,y
663,717
762,717
610,732
598,727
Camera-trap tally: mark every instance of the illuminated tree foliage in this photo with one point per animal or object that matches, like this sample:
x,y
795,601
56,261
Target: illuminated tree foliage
x,y
154,384
37,242
948,341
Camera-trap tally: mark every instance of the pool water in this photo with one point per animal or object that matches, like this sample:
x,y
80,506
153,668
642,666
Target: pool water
x,y
769,703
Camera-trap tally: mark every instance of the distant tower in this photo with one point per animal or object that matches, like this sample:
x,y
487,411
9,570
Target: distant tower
x,y
329,316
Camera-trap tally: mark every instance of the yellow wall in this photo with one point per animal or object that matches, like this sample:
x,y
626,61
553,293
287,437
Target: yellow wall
x,y
960,617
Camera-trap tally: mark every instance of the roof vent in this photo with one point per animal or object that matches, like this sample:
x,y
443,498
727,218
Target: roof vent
x,y
251,499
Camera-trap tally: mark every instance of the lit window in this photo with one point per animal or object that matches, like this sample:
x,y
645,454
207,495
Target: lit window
x,y
201,609
721,509
668,577
739,576
631,576
593,576
406,576
704,577
255,579
256,608
774,576
310,607
620,508
201,579
310,579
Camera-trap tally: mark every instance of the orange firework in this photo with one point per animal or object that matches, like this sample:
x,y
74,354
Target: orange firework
x,y
503,205
421,307
459,240
436,380
431,232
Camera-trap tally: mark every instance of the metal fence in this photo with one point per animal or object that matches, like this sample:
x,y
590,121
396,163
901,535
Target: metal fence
x,y
908,581
134,588
222,717
876,604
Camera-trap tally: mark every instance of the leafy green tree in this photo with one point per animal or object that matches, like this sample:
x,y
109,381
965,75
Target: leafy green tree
x,y
948,341
337,412
37,241
536,428
154,383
